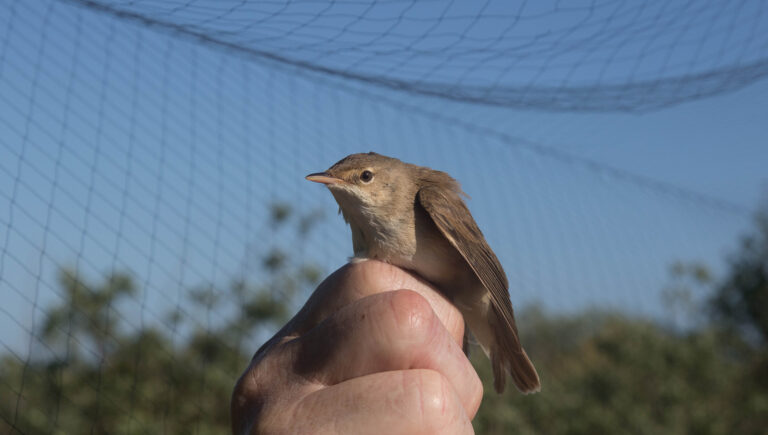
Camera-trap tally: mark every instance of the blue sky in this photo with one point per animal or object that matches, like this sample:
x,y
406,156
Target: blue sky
x,y
126,149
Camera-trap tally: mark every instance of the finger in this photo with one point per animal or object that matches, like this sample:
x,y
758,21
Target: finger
x,y
361,279
401,402
387,331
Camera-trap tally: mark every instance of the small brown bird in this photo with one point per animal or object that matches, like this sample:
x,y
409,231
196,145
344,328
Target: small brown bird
x,y
414,217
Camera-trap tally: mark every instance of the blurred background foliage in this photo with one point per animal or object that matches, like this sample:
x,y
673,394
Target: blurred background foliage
x,y
602,371
172,378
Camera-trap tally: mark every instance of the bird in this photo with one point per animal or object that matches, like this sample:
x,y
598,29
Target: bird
x,y
415,218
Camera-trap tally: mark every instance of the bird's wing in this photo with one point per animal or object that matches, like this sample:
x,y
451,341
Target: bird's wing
x,y
453,219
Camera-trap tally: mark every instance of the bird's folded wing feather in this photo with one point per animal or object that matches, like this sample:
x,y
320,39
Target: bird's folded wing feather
x,y
453,219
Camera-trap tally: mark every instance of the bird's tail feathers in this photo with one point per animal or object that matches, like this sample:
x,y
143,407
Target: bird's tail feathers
x,y
508,356
502,346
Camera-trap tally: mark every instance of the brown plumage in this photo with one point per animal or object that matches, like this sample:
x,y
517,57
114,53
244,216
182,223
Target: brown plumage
x,y
414,217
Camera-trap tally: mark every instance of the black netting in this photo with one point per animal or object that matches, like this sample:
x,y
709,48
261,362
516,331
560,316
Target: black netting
x,y
552,55
155,226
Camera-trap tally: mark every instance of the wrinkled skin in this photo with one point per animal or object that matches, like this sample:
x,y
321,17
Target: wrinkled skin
x,y
374,350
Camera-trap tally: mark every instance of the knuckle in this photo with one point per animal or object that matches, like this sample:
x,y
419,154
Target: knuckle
x,y
431,400
258,379
435,398
412,314
476,395
263,399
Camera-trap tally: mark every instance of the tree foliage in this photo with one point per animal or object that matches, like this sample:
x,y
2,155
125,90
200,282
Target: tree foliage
x,y
602,372
96,375
608,373
741,300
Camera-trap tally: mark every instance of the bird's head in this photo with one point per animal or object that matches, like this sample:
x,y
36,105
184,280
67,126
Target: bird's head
x,y
369,187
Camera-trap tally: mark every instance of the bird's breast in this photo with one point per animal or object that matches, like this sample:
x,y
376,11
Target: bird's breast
x,y
427,252
411,240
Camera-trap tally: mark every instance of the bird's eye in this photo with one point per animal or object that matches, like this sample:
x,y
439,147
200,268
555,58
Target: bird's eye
x,y
366,176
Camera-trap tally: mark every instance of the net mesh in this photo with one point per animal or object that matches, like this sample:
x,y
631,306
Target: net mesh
x,y
597,56
152,201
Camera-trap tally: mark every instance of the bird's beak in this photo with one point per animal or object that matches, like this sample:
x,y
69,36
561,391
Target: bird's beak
x,y
323,177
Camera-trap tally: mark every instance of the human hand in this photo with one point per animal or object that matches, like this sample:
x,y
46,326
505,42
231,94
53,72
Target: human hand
x,y
374,350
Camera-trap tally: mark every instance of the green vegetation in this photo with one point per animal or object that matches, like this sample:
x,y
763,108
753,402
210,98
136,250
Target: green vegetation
x,y
175,377
602,372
